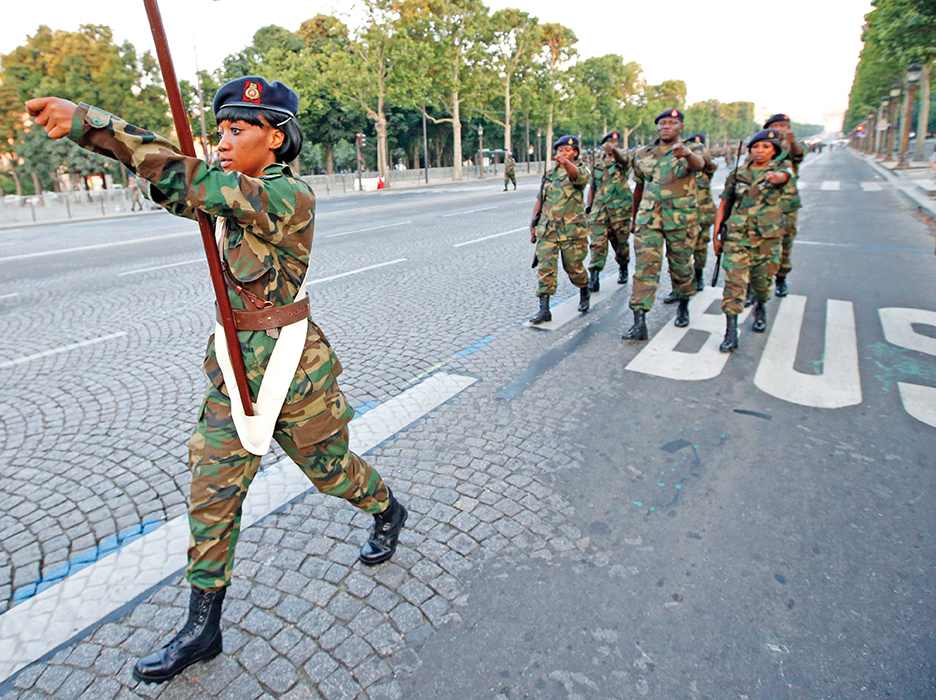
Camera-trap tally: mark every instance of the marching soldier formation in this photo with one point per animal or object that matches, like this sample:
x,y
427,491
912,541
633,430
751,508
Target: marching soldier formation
x,y
671,210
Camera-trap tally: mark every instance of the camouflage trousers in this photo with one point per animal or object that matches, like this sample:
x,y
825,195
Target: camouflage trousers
x,y
222,471
748,258
703,238
510,177
789,233
648,247
604,231
573,251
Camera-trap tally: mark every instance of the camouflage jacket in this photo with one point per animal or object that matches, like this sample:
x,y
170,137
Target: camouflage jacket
x,y
612,191
510,165
758,203
704,203
562,205
791,197
270,225
668,202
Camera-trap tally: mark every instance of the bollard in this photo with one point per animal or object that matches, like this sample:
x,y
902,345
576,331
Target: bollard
x,y
68,205
33,207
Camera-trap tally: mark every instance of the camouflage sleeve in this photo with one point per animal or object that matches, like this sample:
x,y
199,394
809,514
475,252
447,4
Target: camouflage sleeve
x,y
584,175
729,181
710,166
182,184
638,173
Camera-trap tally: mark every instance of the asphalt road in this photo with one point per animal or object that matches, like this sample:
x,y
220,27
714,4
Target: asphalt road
x,y
754,526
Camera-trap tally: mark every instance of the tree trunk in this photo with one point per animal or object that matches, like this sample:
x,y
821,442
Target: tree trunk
x,y
456,136
16,181
507,115
329,159
547,156
37,189
919,152
380,125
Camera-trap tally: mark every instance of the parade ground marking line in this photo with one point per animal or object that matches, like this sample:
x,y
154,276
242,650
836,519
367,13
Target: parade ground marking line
x,y
50,618
64,348
487,238
354,272
468,211
159,267
371,228
97,246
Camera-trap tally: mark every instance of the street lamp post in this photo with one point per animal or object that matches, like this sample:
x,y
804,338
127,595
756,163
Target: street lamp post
x,y
894,94
539,147
480,152
913,78
882,126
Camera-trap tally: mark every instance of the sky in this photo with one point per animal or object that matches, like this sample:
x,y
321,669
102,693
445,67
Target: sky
x,y
796,56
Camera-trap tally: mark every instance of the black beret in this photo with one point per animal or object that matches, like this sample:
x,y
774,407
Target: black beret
x,y
568,141
611,135
252,91
777,118
696,137
771,136
674,113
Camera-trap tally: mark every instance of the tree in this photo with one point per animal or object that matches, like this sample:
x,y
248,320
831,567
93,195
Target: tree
x,y
553,80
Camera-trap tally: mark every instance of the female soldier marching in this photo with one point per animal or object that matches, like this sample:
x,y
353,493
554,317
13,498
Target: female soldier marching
x,y
264,224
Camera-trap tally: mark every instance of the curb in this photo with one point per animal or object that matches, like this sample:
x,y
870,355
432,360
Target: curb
x,y
924,204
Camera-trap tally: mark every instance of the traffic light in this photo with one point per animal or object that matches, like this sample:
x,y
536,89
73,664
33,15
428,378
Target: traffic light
x,y
362,140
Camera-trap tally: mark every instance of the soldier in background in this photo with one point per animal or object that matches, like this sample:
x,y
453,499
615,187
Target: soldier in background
x,y
559,227
510,170
793,153
664,212
706,209
608,209
136,197
755,230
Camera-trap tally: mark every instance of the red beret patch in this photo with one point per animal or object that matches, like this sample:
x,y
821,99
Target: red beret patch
x,y
252,92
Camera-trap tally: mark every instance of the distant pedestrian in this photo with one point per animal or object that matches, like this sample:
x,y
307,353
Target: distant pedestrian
x,y
136,197
510,170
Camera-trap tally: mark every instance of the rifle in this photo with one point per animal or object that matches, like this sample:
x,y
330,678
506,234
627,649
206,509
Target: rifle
x,y
536,219
187,146
729,205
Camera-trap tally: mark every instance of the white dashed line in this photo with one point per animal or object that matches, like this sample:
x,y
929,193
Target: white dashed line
x,y
98,246
467,211
159,267
64,348
487,238
354,272
372,228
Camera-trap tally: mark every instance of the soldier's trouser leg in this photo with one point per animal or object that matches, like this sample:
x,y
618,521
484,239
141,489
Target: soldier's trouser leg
x,y
679,247
765,260
598,249
648,249
736,261
700,254
574,251
547,250
789,235
619,239
222,471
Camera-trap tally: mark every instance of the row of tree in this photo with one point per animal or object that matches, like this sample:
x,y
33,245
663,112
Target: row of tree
x,y
453,63
896,33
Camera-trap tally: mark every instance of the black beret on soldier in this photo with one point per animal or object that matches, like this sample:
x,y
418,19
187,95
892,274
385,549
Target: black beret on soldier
x,y
698,138
673,113
568,141
771,136
611,135
777,118
252,91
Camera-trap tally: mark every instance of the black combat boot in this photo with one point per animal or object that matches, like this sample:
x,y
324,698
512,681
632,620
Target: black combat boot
x,y
584,299
622,275
781,286
671,298
760,318
594,284
639,330
699,284
682,313
544,314
749,299
198,640
730,343
382,542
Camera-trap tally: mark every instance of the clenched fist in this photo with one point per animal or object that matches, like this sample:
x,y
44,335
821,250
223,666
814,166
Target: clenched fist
x,y
53,113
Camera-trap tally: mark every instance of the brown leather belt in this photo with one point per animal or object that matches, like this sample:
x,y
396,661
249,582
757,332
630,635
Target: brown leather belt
x,y
270,318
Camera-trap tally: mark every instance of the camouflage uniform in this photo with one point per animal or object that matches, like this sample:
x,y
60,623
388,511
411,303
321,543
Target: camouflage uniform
x,y
707,210
510,170
609,220
791,206
563,229
667,213
751,250
270,226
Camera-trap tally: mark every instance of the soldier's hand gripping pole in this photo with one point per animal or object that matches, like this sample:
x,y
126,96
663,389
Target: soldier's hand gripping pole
x,y
184,132
722,227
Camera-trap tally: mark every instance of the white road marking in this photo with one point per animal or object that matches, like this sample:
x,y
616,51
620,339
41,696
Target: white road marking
x,y
8,296
64,348
354,272
831,185
467,211
918,400
567,310
487,238
871,186
97,246
160,267
371,228
660,357
52,617
839,384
